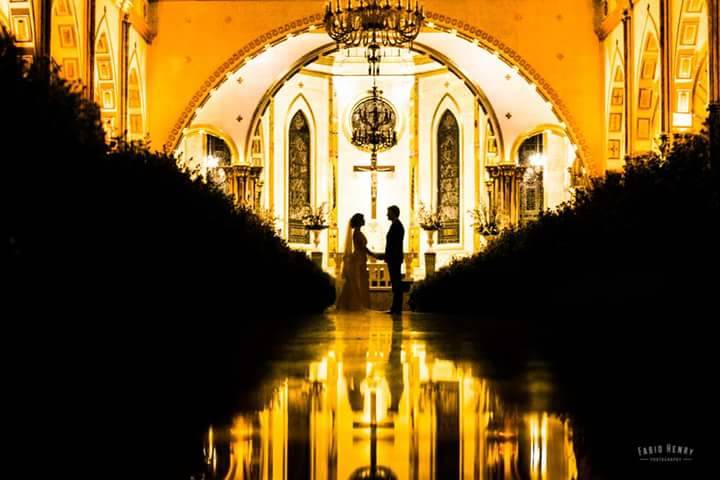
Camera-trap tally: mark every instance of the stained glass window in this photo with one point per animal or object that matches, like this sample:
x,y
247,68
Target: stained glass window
x,y
448,142
298,178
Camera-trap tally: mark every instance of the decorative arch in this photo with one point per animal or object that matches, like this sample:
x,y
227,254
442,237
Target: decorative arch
x,y
105,78
21,23
330,48
136,99
447,136
213,130
557,129
545,185
701,94
66,42
647,95
690,54
299,149
615,108
436,21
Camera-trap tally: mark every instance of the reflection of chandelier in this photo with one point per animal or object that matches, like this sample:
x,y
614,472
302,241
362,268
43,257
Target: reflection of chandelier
x,y
372,24
373,124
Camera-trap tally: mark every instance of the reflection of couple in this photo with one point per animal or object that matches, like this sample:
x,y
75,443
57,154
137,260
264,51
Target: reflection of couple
x,y
355,293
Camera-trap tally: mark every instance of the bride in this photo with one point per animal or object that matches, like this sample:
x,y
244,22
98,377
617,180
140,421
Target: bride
x,y
355,294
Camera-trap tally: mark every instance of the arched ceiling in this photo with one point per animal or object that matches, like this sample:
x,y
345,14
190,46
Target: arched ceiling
x,y
518,105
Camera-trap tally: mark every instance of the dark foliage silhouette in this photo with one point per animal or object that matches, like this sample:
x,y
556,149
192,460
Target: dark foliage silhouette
x,y
139,298
647,233
121,226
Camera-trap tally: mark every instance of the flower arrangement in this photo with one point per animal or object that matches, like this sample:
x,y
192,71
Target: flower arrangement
x,y
486,220
429,221
267,217
315,219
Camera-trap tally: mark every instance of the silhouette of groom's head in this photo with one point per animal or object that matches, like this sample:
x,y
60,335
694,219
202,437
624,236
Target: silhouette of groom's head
x,y
393,213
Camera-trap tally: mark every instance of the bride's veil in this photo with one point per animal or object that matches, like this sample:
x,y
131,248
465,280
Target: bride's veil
x,y
348,251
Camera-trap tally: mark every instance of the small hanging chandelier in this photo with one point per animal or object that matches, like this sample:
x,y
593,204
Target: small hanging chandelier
x,y
373,123
372,24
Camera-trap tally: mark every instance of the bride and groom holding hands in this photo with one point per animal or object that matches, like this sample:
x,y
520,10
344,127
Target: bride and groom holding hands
x,y
355,293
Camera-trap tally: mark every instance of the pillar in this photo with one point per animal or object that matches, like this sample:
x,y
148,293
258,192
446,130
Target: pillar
x,y
629,58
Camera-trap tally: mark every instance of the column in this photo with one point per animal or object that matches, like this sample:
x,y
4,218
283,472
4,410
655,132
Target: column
x,y
478,178
506,190
42,42
124,70
629,59
90,49
665,66
333,231
714,86
412,261
271,157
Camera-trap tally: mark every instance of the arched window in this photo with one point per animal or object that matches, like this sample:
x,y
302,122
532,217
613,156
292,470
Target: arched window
x,y
298,177
218,149
532,193
448,188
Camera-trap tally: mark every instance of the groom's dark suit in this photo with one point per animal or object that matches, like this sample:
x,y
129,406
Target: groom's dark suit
x,y
394,260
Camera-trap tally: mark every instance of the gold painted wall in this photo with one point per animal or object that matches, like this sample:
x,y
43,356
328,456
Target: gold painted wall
x,y
555,38
137,119
683,62
4,14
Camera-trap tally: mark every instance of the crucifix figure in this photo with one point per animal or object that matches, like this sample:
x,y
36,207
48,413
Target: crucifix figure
x,y
373,168
373,124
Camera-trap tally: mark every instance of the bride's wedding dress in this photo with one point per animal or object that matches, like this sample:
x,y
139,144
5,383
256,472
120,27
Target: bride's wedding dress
x,y
355,294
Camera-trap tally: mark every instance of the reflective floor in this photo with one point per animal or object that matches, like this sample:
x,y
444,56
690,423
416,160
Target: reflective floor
x,y
367,396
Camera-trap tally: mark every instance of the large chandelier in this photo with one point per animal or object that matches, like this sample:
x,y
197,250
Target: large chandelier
x,y
373,24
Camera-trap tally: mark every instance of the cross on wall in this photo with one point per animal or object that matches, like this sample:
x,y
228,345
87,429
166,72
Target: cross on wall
x,y
373,168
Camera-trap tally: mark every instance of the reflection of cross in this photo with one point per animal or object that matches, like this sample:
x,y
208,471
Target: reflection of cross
x,y
614,150
374,425
373,168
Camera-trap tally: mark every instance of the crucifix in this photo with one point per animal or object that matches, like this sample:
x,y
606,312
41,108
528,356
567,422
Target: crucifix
x,y
373,168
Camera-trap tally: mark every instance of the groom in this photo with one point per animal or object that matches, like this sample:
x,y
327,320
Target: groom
x,y
393,256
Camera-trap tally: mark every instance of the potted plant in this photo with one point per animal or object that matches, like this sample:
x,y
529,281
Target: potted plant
x,y
486,220
315,220
431,222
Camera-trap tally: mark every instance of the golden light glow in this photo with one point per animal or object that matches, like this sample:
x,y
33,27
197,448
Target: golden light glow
x,y
442,411
682,120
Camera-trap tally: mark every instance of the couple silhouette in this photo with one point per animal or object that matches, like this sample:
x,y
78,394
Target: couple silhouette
x,y
355,291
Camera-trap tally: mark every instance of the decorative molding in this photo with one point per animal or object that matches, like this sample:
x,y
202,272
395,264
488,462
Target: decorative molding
x,y
141,26
610,23
666,64
628,51
441,22
714,51
218,132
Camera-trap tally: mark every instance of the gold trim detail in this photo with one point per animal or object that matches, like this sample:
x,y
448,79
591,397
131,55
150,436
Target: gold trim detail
x,y
441,22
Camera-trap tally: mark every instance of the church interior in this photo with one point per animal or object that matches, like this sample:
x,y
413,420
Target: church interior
x,y
498,108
